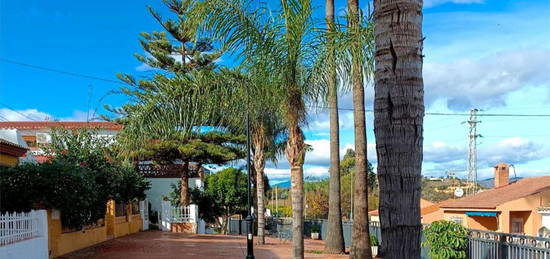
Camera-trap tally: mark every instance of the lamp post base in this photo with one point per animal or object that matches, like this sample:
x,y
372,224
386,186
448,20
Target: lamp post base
x,y
249,237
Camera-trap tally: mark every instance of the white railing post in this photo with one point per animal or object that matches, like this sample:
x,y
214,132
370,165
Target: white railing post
x,y
193,213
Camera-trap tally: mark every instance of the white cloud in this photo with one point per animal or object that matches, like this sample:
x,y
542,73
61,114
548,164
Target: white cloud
x,y
36,115
23,115
432,3
485,82
514,150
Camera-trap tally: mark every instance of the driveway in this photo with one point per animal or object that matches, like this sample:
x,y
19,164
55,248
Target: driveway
x,y
157,244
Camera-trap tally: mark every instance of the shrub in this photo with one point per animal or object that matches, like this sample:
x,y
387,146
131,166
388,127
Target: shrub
x,y
58,186
315,228
373,240
80,177
446,240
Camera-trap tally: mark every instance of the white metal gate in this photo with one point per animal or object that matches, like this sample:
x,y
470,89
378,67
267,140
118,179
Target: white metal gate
x,y
144,211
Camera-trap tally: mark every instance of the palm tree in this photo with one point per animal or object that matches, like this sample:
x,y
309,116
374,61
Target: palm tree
x,y
335,238
398,119
267,129
360,246
284,44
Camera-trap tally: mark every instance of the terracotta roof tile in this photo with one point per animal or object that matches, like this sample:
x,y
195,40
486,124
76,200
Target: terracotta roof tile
x,y
490,199
59,124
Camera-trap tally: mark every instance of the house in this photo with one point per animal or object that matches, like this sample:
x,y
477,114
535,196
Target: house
x,y
11,137
375,216
544,211
510,207
162,177
10,153
35,133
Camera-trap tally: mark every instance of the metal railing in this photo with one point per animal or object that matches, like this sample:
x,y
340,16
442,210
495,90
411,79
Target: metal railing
x,y
489,245
481,244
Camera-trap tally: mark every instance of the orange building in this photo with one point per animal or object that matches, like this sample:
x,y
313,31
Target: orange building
x,y
508,207
374,216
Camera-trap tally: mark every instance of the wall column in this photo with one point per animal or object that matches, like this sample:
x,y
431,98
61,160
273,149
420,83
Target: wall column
x,y
110,219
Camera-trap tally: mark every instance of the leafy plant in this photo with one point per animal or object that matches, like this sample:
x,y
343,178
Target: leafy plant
x,y
315,228
446,240
373,240
224,194
82,174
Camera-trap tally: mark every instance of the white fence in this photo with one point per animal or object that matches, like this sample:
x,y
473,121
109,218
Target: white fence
x,y
177,214
24,235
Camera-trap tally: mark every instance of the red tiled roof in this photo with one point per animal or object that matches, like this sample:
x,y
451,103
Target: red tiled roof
x,y
59,124
10,148
490,199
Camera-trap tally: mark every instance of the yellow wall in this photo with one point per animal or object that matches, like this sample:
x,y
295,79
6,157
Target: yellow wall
x,y
62,243
7,160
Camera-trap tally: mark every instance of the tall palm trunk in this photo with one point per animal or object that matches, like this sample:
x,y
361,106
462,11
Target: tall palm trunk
x,y
295,154
360,246
258,140
184,185
335,238
398,119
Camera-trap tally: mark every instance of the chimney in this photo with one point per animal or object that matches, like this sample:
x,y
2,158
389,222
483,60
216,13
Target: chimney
x,y
502,171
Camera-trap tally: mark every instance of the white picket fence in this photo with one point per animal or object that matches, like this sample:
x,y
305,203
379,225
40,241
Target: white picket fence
x,y
24,235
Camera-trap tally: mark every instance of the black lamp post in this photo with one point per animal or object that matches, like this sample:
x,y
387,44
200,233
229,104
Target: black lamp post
x,y
249,218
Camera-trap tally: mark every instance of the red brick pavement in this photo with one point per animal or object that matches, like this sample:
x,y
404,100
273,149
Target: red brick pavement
x,y
157,244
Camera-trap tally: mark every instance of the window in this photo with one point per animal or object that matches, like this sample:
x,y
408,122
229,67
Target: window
x,y
30,140
517,226
457,220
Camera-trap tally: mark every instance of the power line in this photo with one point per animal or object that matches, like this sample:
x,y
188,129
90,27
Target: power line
x,y
18,112
59,71
450,114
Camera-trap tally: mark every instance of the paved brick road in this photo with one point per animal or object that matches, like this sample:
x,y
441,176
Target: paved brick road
x,y
157,244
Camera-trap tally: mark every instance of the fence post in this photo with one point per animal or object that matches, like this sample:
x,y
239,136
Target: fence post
x,y
502,249
42,216
193,213
240,230
110,219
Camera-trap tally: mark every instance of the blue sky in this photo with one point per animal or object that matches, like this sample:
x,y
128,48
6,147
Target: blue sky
x,y
487,54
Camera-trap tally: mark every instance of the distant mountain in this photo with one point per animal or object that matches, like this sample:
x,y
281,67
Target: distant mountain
x,y
489,183
285,184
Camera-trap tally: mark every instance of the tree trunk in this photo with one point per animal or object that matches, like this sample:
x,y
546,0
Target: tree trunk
x,y
184,185
335,238
295,154
258,139
398,119
360,246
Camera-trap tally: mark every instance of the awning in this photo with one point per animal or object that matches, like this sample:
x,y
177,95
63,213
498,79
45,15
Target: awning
x,y
481,213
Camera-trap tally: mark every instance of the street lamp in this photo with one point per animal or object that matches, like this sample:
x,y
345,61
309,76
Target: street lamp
x,y
249,218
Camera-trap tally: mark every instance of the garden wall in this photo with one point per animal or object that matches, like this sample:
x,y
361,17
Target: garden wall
x,y
60,243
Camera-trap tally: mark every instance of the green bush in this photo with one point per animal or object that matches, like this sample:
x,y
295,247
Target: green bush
x,y
80,177
58,186
315,228
446,240
373,240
